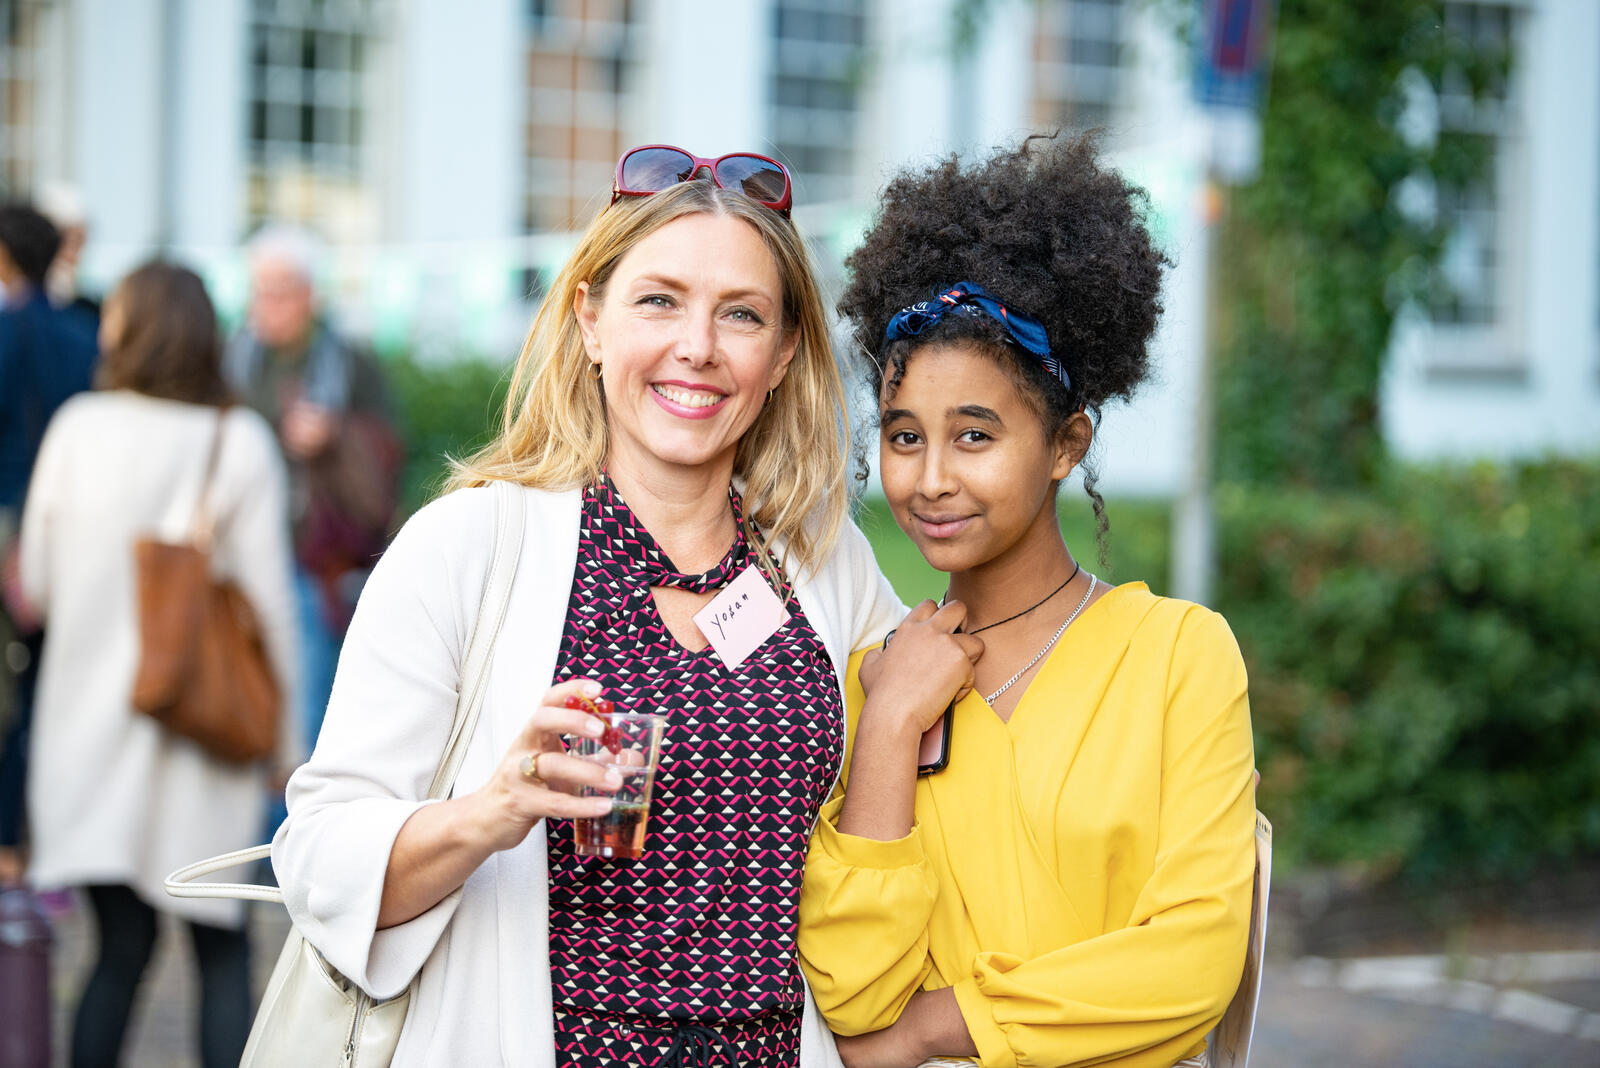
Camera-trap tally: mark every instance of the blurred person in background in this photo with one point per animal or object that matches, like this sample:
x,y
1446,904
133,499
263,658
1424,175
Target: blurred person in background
x,y
46,355
115,800
62,205
328,403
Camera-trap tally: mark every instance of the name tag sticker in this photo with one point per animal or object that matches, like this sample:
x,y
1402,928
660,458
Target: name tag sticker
x,y
741,617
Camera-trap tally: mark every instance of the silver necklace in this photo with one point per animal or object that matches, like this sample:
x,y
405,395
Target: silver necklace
x,y
1051,644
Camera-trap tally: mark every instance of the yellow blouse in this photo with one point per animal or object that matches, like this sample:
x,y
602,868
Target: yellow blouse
x,y
1081,874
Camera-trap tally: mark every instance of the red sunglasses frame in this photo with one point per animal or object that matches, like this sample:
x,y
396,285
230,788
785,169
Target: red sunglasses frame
x,y
781,205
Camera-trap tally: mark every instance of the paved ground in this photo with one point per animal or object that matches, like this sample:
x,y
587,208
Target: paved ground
x,y
1316,1027
1483,1005
162,1032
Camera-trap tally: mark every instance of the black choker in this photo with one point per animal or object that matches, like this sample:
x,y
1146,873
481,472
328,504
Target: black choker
x,y
1075,569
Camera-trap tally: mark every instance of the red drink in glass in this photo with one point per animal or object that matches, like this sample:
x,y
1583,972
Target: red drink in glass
x,y
618,835
631,746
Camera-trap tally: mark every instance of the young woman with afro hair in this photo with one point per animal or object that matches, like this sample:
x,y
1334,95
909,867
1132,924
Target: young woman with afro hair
x,y
1074,885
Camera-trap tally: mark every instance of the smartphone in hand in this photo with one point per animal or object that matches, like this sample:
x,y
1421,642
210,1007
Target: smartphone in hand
x,y
933,752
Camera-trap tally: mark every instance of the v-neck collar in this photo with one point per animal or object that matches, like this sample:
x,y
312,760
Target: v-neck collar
x,y
1057,659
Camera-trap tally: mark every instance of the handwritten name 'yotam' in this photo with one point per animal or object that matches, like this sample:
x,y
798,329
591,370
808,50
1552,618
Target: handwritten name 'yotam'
x,y
725,615
740,618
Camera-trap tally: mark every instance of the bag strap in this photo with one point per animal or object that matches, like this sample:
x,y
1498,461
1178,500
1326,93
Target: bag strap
x,y
204,521
181,883
510,516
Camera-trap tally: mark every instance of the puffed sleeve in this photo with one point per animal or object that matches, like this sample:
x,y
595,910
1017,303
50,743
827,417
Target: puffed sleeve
x,y
387,723
1145,994
864,911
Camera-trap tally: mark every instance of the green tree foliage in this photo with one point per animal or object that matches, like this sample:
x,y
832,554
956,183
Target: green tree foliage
x,y
1320,252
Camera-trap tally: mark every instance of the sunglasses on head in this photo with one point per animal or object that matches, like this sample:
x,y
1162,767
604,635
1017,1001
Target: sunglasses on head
x,y
655,168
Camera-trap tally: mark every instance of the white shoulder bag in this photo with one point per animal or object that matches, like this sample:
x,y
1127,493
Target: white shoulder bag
x,y
309,1010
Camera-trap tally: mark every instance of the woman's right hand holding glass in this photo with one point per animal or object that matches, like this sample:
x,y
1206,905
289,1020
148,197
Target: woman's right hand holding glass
x,y
441,845
537,778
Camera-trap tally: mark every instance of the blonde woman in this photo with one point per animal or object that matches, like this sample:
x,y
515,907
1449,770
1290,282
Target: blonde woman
x,y
676,421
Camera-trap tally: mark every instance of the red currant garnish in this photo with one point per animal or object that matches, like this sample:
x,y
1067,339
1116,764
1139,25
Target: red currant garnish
x,y
601,709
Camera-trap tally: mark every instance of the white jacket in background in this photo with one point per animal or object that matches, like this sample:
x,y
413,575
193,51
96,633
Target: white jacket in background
x,y
113,797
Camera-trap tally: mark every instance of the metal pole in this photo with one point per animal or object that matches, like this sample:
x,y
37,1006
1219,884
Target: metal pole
x,y
1194,553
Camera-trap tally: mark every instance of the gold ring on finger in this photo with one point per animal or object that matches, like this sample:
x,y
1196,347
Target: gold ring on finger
x,y
529,767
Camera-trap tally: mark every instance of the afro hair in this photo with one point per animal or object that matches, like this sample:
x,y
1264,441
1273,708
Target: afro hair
x,y
1048,230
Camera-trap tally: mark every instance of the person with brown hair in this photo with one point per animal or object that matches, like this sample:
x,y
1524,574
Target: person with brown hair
x,y
115,800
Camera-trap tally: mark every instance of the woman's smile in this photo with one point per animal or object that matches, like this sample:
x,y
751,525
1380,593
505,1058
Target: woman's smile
x,y
688,400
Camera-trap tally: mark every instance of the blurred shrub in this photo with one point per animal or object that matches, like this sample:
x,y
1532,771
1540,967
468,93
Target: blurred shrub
x,y
446,409
1424,666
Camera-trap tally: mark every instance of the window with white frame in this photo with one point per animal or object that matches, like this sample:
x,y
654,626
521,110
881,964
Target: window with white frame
x,y
1080,55
818,54
308,106
19,57
1474,302
581,70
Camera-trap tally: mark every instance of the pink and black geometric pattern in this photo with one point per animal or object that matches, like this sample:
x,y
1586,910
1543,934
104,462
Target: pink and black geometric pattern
x,y
688,954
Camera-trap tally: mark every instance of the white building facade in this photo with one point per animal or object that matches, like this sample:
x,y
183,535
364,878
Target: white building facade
x,y
446,148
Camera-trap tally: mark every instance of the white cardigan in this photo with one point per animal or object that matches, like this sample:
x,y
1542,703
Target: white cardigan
x,y
112,796
483,952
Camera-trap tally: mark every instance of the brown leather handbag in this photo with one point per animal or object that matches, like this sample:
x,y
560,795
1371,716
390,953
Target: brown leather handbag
x,y
203,667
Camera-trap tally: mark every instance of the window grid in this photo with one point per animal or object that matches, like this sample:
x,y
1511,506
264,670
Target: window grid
x,y
1470,288
307,119
19,59
307,73
1080,55
819,49
580,74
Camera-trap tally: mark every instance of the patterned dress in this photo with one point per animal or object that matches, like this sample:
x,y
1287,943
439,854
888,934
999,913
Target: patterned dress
x,y
687,956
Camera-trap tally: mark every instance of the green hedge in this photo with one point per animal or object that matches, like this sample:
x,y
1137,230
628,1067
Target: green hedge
x,y
446,409
1424,666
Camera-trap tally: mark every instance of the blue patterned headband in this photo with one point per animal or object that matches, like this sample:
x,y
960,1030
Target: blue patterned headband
x,y
969,298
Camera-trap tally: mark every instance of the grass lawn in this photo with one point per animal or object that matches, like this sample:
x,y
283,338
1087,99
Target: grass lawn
x,y
1136,546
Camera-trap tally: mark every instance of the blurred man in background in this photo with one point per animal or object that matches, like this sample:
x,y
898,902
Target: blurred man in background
x,y
329,404
62,205
46,355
